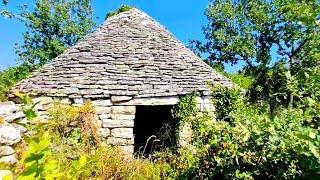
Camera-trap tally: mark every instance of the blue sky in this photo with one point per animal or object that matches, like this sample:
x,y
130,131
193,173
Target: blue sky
x,y
183,18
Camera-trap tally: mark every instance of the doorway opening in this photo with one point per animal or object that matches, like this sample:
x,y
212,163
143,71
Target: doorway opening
x,y
155,128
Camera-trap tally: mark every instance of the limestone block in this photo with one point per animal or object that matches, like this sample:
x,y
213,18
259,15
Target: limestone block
x,y
20,128
128,150
11,159
43,103
126,133
6,173
120,98
8,108
42,100
102,110
117,123
122,117
14,116
106,102
173,100
65,101
71,90
78,100
104,116
91,91
104,132
6,150
124,110
9,135
119,141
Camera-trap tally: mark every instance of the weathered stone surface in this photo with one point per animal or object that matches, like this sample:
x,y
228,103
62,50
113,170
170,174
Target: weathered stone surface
x,y
78,100
8,108
130,110
119,141
102,102
14,116
65,101
104,116
104,132
6,173
9,135
21,129
11,159
6,150
125,133
122,117
120,98
108,123
152,101
102,110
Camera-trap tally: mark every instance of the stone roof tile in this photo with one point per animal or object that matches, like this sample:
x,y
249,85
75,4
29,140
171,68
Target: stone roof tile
x,y
130,54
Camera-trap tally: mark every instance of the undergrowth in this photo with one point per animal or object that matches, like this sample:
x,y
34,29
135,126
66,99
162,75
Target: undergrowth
x,y
10,77
68,146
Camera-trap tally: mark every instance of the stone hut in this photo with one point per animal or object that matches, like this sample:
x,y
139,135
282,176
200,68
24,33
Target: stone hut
x,y
132,70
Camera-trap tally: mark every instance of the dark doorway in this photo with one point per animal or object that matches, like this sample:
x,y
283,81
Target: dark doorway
x,y
154,129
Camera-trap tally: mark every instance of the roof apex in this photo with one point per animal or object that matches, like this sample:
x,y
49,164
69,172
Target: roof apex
x,y
131,54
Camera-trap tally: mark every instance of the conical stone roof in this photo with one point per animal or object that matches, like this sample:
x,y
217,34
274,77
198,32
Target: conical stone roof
x,y
130,54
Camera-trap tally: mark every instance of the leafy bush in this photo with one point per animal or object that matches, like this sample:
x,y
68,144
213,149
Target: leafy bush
x,y
123,8
10,77
250,145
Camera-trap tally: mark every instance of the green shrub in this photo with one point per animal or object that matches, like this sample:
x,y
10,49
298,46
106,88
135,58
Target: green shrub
x,y
10,77
250,145
123,8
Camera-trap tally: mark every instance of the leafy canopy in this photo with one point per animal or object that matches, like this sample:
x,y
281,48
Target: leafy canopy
x,y
52,27
277,41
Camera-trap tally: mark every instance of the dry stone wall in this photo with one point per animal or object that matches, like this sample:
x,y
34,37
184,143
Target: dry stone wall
x,y
11,132
115,119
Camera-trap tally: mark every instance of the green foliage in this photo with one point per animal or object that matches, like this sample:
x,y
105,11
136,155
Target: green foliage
x,y
36,160
123,8
28,108
251,144
225,101
241,80
277,41
53,26
10,77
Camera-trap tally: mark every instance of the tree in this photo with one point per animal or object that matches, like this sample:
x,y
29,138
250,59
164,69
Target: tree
x,y
277,41
53,26
3,11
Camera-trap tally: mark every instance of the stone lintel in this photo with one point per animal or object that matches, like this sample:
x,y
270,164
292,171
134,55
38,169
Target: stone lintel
x,y
120,98
153,101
